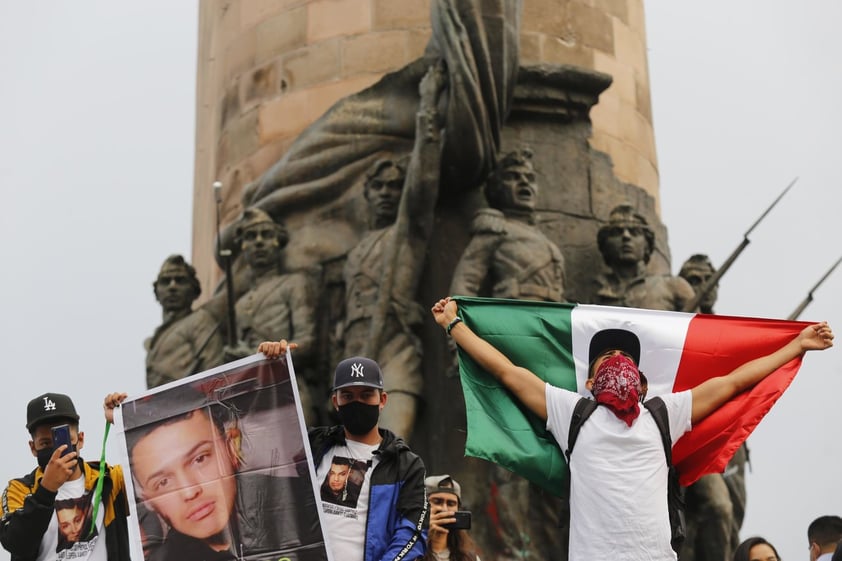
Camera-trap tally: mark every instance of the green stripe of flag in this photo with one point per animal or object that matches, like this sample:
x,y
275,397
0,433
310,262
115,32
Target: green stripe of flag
x,y
534,335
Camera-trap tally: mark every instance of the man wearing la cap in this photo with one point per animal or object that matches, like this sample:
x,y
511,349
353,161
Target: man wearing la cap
x,y
29,529
445,496
618,471
387,520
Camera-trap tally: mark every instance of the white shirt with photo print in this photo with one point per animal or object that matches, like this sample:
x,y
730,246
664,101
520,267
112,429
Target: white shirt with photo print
x,y
345,525
71,538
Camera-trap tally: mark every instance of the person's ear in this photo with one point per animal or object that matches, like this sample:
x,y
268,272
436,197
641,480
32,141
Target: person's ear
x,y
334,401
80,440
383,397
815,551
589,384
32,448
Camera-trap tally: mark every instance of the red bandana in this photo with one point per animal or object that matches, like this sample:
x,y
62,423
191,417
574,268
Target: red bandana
x,y
616,384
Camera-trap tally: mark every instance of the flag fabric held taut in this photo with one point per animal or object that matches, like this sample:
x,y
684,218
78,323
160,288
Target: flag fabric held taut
x,y
678,352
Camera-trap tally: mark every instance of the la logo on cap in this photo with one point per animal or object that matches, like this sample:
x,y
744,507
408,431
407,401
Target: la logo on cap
x,y
357,370
49,404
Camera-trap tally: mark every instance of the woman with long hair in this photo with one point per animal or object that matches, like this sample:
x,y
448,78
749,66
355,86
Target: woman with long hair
x,y
756,549
445,542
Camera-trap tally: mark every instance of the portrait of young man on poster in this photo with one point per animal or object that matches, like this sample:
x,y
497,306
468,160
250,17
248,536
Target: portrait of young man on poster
x,y
219,471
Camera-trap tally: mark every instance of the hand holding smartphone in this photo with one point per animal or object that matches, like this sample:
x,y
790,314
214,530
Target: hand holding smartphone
x,y
61,435
463,521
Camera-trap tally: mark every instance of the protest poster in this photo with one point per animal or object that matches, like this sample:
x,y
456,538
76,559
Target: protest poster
x,y
219,467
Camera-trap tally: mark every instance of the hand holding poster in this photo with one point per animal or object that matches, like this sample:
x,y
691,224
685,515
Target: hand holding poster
x,y
219,467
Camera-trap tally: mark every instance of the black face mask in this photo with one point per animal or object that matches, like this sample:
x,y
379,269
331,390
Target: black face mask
x,y
44,455
359,418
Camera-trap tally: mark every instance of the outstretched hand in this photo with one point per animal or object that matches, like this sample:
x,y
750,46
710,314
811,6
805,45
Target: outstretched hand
x,y
444,311
816,337
276,349
111,401
433,83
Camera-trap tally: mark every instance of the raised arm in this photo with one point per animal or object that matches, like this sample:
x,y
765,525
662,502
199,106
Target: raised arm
x,y
711,394
528,387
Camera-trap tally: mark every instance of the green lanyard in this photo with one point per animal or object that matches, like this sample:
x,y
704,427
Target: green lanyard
x,y
98,492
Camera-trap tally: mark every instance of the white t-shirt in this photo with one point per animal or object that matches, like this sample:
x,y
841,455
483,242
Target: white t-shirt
x,y
67,537
618,489
346,509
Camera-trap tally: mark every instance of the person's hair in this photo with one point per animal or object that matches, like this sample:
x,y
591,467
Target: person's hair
x,y
340,461
625,209
494,184
72,423
178,261
381,165
217,414
80,503
825,530
461,546
744,549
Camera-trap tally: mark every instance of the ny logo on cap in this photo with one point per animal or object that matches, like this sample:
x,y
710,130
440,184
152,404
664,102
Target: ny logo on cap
x,y
357,370
49,404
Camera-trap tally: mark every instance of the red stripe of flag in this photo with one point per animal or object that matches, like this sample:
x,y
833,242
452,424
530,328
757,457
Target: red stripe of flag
x,y
715,346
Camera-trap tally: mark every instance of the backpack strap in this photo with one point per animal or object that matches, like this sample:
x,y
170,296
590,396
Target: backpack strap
x,y
675,493
658,409
584,408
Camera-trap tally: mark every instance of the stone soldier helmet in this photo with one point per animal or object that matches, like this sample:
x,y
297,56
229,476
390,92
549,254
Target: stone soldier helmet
x,y
625,216
697,263
177,263
254,216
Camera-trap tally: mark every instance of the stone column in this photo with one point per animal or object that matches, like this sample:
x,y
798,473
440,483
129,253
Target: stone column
x,y
269,68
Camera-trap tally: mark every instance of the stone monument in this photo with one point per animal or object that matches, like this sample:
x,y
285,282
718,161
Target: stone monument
x,y
299,98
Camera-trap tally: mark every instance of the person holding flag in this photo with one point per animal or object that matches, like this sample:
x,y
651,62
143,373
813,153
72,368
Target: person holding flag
x,y
619,475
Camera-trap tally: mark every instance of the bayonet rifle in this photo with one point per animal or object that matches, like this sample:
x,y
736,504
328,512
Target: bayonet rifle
x,y
714,279
809,298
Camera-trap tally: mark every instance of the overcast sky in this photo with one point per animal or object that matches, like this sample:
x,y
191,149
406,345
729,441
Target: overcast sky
x,y
96,165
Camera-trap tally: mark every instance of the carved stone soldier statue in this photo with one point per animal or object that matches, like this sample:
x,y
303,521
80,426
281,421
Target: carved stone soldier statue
x,y
626,244
187,341
508,255
275,304
696,271
382,271
716,502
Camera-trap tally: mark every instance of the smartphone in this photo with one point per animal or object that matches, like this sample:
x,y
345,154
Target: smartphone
x,y
61,435
463,521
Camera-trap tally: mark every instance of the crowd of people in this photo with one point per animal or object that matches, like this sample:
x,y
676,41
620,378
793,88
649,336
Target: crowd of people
x,y
377,500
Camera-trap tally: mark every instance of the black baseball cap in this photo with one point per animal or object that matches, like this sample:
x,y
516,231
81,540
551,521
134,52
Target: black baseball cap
x,y
49,406
618,339
357,371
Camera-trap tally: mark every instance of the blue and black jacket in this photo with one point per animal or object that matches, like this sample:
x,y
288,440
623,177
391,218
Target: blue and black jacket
x,y
397,504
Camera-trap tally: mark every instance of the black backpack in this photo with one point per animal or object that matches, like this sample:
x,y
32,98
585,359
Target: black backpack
x,y
675,493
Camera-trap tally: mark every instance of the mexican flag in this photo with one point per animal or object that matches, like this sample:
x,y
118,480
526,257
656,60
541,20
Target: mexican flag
x,y
678,351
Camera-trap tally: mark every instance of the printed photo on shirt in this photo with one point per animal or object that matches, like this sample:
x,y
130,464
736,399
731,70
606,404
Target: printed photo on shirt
x,y
74,527
344,481
219,469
